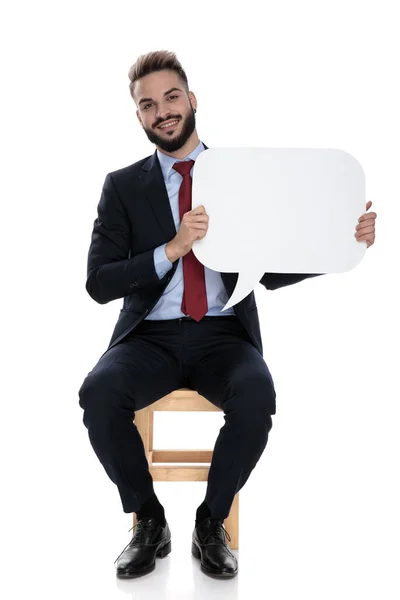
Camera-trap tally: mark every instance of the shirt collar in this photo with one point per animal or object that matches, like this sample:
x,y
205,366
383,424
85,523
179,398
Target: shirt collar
x,y
167,162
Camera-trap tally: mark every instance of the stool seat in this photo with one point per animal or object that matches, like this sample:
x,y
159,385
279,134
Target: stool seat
x,y
184,399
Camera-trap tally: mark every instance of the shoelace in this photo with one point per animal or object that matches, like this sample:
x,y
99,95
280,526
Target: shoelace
x,y
215,534
144,525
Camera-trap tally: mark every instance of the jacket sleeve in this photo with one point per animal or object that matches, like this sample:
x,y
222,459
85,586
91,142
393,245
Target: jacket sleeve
x,y
273,281
111,273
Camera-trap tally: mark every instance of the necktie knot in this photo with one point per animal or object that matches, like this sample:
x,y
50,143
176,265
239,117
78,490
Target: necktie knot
x,y
183,167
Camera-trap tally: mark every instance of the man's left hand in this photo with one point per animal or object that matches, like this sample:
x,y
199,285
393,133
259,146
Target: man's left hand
x,y
365,230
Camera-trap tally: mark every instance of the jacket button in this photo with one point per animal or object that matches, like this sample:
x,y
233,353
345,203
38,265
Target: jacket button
x,y
134,284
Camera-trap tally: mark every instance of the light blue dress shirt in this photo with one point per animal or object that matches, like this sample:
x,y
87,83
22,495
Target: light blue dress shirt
x,y
169,304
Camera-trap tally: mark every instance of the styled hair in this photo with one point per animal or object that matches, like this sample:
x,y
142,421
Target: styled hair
x,y
155,61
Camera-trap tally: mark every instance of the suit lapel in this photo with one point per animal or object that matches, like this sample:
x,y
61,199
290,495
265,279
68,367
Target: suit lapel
x,y
157,195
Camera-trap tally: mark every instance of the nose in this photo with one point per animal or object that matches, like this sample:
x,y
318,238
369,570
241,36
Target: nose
x,y
163,113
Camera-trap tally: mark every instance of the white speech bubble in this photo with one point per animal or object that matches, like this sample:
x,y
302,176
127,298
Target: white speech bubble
x,y
278,210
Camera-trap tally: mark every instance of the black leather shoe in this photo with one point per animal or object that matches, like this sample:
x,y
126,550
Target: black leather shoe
x,y
148,541
209,544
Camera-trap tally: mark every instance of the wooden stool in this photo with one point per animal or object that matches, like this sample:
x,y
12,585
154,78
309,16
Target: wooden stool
x,y
182,399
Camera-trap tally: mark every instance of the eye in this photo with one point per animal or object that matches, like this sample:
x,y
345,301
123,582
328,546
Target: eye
x,y
173,96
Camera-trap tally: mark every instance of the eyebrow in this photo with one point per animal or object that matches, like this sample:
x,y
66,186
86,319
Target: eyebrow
x,y
165,94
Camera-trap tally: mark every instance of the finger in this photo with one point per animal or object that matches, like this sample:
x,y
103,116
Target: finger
x,y
360,234
365,217
197,218
367,240
370,237
199,226
365,225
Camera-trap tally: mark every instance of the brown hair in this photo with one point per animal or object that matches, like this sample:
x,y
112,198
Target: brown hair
x,y
155,61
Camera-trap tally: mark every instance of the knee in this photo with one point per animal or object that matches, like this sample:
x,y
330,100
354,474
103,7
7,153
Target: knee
x,y
259,418
251,411
261,403
97,398
87,390
266,400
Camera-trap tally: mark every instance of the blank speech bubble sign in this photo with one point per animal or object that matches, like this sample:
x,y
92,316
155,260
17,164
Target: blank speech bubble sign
x,y
278,210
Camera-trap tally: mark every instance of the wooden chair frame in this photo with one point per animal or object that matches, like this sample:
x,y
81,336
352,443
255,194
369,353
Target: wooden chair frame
x,y
184,399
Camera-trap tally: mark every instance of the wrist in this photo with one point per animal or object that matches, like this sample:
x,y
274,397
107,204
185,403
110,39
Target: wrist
x,y
171,252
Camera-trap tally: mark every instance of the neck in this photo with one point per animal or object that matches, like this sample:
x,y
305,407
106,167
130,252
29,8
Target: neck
x,y
186,149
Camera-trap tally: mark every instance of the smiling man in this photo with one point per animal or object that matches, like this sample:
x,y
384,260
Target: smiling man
x,y
171,332
174,130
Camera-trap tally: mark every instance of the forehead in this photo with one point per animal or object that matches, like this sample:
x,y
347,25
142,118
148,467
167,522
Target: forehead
x,y
156,83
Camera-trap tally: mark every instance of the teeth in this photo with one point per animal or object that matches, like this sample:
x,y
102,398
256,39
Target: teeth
x,y
169,125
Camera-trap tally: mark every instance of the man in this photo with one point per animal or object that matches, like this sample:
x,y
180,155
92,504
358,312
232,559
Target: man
x,y
171,332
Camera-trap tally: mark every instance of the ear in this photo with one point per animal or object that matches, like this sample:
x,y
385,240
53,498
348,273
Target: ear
x,y
193,99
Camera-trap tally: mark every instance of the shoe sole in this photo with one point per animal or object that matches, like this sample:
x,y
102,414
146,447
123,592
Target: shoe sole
x,y
160,554
197,554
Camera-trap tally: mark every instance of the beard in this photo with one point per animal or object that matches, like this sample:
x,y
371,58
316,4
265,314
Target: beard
x,y
170,142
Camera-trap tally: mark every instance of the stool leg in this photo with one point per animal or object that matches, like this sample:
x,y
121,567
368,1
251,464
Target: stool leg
x,y
231,523
144,423
151,428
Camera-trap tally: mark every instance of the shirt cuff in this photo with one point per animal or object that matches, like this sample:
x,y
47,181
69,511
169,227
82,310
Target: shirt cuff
x,y
162,263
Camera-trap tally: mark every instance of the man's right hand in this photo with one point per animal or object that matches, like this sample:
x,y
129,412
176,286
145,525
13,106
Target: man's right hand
x,y
194,226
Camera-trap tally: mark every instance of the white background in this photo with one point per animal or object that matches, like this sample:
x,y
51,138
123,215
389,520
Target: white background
x,y
319,514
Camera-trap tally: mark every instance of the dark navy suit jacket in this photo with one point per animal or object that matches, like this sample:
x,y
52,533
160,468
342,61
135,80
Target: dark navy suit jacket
x,y
134,217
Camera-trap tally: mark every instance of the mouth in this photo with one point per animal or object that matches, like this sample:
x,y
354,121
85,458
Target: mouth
x,y
169,125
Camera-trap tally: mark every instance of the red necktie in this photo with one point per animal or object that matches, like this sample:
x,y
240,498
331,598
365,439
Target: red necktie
x,y
194,300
